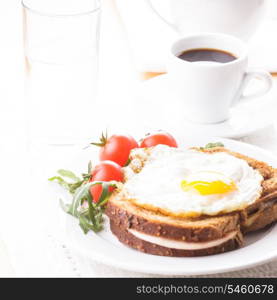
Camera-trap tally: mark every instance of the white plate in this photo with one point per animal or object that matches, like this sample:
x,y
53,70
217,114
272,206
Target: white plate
x,y
160,109
103,247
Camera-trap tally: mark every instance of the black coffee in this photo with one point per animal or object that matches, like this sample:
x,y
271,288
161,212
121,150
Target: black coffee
x,y
213,55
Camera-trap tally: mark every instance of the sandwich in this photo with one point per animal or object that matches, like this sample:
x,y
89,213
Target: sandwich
x,y
191,202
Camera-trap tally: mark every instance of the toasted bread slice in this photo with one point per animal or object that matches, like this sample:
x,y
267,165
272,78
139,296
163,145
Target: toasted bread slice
x,y
131,240
153,232
127,215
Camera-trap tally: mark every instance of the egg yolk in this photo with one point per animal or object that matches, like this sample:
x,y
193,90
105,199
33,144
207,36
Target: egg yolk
x,y
209,188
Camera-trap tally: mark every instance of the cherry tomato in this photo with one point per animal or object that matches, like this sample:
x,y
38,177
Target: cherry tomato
x,y
116,148
104,171
157,138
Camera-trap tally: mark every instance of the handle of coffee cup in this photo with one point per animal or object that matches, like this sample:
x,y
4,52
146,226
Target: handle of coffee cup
x,y
249,75
151,6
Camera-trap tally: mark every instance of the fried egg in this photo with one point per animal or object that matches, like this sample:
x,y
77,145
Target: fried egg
x,y
186,182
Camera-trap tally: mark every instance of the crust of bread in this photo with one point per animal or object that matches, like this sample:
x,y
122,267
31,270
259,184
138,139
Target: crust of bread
x,y
125,215
266,215
130,240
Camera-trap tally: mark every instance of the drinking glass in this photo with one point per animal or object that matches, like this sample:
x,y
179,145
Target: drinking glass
x,y
61,39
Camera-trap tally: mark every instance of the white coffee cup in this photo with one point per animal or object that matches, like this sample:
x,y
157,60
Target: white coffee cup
x,y
236,17
207,90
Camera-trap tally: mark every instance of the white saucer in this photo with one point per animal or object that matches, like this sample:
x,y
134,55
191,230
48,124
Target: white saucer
x,y
160,110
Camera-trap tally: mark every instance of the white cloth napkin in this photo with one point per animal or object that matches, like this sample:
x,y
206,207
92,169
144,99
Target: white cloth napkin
x,y
6,269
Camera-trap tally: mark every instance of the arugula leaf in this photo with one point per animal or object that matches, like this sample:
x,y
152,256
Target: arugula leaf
x,y
86,227
66,207
213,145
90,217
60,181
71,187
68,174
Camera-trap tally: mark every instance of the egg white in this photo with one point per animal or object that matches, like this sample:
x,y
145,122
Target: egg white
x,y
158,185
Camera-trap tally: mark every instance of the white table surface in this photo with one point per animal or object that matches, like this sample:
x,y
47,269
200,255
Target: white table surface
x,y
32,242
